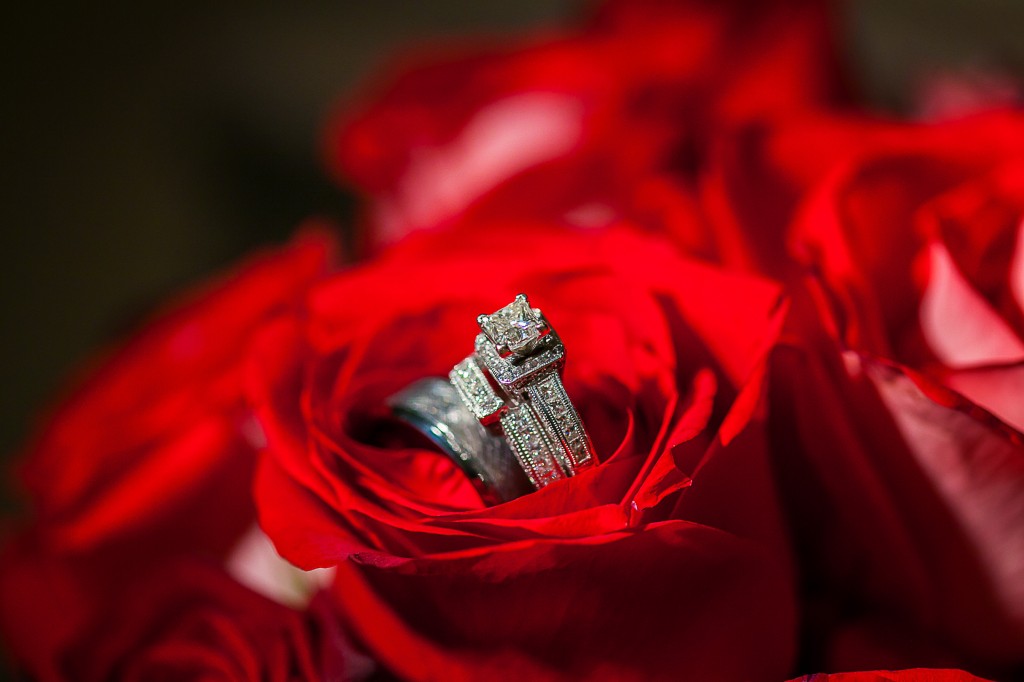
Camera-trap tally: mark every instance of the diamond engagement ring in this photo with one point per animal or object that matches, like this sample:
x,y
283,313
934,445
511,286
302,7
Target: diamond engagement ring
x,y
504,412
512,382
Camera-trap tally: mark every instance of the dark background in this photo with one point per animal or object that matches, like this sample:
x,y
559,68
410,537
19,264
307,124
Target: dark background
x,y
144,148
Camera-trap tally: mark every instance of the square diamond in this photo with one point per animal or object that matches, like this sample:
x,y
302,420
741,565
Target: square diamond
x,y
517,327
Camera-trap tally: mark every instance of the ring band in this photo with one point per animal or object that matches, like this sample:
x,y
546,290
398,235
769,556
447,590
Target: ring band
x,y
548,394
533,447
433,407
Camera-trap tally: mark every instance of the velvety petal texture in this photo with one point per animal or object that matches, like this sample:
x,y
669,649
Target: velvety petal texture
x,y
148,459
912,675
794,331
568,123
192,621
897,382
597,575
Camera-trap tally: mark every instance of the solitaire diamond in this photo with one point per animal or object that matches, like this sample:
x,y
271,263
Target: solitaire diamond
x,y
517,328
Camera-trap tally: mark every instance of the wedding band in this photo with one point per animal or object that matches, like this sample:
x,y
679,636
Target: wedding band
x,y
433,407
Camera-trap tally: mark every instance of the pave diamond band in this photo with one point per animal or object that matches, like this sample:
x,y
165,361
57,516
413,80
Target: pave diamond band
x,y
474,389
548,395
538,430
531,444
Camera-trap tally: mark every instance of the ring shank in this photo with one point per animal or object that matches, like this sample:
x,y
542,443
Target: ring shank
x,y
433,407
551,402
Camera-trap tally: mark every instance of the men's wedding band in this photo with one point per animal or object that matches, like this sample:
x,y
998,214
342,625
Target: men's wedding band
x,y
433,407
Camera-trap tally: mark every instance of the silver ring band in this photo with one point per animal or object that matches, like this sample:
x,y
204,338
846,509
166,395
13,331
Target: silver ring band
x,y
433,407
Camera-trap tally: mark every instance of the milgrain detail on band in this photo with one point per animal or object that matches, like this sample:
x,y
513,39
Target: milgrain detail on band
x,y
474,389
514,376
548,395
531,446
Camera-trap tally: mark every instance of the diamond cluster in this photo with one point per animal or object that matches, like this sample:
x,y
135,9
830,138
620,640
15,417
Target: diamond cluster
x,y
474,389
513,377
531,446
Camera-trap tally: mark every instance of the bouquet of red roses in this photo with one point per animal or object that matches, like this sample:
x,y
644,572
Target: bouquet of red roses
x,y
779,430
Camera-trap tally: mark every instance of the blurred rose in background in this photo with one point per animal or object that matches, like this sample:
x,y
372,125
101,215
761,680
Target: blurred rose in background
x,y
797,227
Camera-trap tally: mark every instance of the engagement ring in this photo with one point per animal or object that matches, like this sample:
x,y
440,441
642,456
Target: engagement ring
x,y
511,387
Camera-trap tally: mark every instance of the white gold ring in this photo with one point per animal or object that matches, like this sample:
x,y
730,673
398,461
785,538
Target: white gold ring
x,y
512,381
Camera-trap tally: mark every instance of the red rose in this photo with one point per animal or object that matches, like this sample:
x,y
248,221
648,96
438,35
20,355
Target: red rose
x,y
149,459
760,177
666,558
896,395
810,441
915,675
192,621
567,124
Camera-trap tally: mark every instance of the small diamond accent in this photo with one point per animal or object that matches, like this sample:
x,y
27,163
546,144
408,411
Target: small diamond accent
x,y
475,390
531,447
515,375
